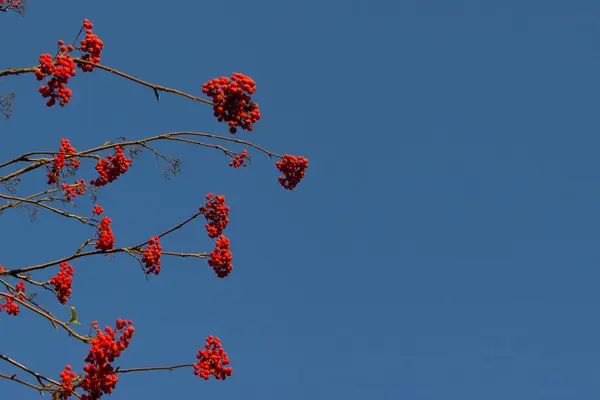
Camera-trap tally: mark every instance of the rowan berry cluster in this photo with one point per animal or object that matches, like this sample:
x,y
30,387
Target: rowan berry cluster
x,y
293,168
151,257
91,46
74,190
10,307
211,360
216,213
239,159
106,240
20,287
100,377
5,4
233,103
61,68
220,258
67,381
64,49
97,210
111,167
59,161
14,5
63,282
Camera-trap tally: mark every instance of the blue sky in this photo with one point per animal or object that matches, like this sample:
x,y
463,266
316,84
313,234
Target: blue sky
x,y
443,245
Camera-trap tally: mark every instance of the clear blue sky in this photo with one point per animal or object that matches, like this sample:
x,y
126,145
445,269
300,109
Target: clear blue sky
x,y
444,244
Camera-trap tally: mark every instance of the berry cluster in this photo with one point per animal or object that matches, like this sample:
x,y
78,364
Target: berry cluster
x,y
62,67
10,307
100,377
211,360
111,167
91,46
67,381
233,103
74,190
220,258
106,240
59,161
63,282
64,49
12,4
151,257
216,213
20,287
97,210
293,168
239,159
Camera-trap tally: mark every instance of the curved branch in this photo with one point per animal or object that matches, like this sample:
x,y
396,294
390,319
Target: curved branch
x,y
171,368
175,136
141,82
19,271
85,339
40,203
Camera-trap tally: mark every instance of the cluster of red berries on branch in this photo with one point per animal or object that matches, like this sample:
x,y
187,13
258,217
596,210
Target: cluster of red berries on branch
x,y
62,66
220,258
106,239
100,377
239,159
292,168
151,257
10,307
74,190
233,103
59,161
216,213
10,3
15,5
212,360
111,167
20,287
63,282
60,70
67,381
97,210
91,46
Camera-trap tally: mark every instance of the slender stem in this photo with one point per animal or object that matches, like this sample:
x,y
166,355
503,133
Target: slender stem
x,y
141,82
85,339
165,136
171,368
